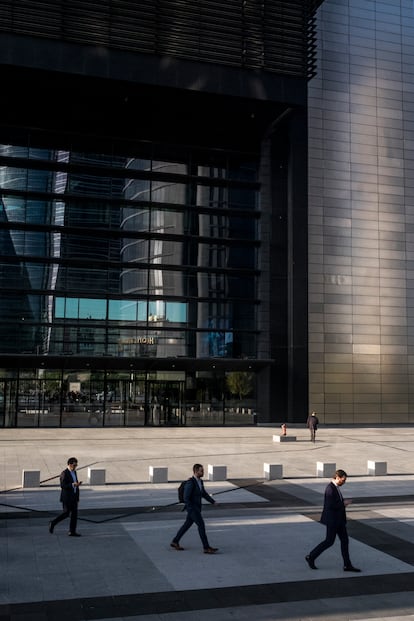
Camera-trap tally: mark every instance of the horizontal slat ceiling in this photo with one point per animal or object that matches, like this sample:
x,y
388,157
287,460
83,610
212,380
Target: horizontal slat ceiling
x,y
273,35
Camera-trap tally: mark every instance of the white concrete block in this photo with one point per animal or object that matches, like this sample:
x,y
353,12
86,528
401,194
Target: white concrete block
x,y
31,478
377,468
284,438
272,471
158,475
325,469
217,473
96,476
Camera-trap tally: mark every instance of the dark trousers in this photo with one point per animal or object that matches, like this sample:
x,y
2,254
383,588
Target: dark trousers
x,y
68,510
331,533
193,517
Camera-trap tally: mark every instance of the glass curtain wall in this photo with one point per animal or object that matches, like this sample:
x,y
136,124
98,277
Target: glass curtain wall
x,y
138,251
81,398
123,256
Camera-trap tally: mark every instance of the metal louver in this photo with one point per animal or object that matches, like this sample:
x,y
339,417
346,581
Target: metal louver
x,y
271,35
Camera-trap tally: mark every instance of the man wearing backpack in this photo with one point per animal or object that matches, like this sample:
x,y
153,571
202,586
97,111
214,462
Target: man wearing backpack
x,y
193,493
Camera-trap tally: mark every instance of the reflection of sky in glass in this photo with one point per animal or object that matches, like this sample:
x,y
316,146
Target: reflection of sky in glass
x,y
71,310
92,309
60,308
177,312
123,311
120,310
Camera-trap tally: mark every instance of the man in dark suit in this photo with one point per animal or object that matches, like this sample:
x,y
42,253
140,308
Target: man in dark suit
x,y
312,424
193,493
69,497
334,517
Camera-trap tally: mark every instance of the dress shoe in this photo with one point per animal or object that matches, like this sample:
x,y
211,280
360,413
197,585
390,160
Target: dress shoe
x,y
176,546
210,550
74,535
352,568
310,562
51,528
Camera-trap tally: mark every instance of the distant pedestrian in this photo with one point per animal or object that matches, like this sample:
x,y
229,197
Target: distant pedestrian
x,y
334,518
69,497
193,493
312,423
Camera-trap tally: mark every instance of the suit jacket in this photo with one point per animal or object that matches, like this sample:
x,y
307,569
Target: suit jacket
x,y
69,495
312,422
193,495
333,513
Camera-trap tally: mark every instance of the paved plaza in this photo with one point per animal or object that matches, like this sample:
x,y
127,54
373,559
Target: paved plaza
x,y
122,568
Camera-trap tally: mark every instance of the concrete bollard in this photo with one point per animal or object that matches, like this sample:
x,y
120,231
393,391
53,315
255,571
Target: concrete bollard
x,y
96,476
158,475
31,478
325,469
272,471
217,473
377,468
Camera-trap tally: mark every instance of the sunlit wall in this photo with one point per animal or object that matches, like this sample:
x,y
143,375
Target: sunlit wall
x,y
361,213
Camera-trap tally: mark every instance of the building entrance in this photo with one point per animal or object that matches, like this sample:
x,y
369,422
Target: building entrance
x,y
166,402
8,393
84,397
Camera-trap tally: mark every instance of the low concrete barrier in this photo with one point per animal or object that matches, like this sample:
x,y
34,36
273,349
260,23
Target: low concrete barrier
x,y
377,468
272,471
284,438
96,476
325,469
217,473
158,475
31,478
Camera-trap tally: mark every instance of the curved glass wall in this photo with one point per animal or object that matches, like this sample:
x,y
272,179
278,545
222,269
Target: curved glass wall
x,y
128,255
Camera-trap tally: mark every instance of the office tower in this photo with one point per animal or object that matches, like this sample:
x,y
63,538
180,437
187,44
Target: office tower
x,y
153,167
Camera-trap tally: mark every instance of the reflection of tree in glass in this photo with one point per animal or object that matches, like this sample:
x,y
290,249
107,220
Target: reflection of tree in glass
x,y
240,383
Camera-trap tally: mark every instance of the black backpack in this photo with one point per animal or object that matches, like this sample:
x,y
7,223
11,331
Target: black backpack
x,y
181,489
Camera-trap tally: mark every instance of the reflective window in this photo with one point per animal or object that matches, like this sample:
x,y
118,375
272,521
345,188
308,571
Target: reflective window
x,y
72,308
92,309
122,310
176,312
123,237
60,308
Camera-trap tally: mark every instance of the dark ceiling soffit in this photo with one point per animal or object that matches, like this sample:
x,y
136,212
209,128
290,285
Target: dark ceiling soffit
x,y
149,70
108,363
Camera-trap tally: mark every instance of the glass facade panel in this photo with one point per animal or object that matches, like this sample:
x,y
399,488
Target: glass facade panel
x,y
88,272
92,309
119,310
128,266
81,398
